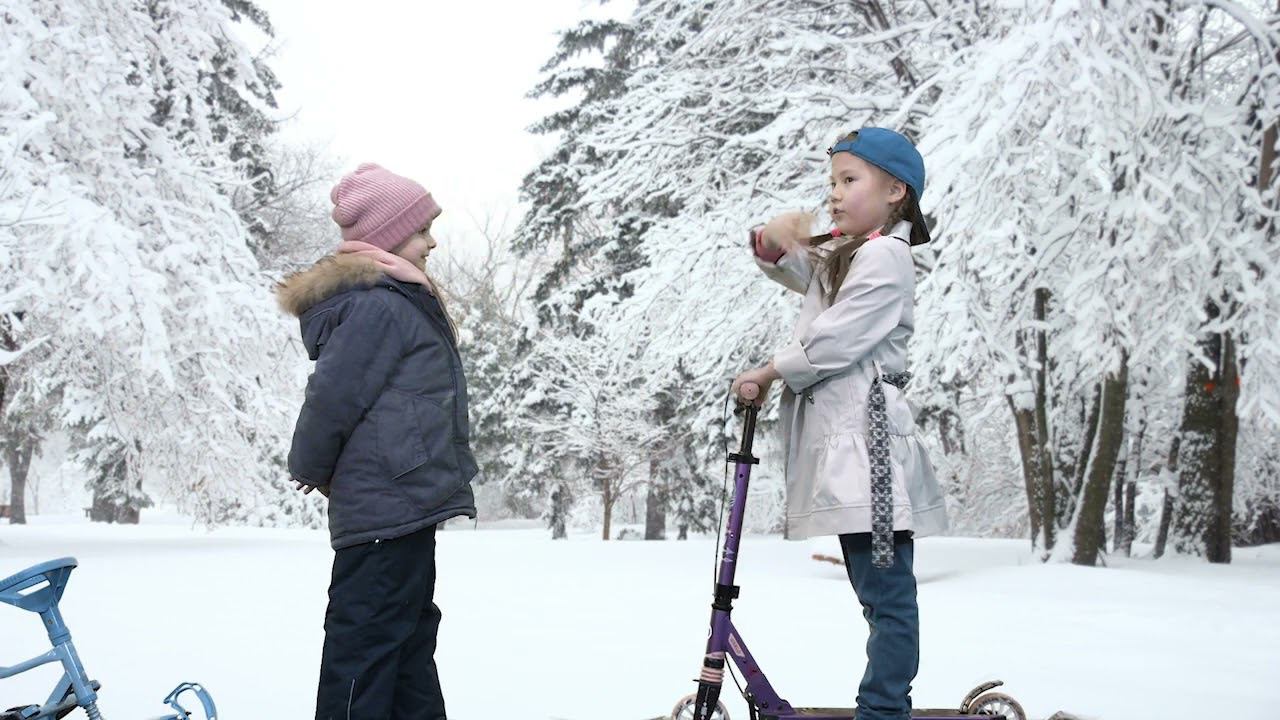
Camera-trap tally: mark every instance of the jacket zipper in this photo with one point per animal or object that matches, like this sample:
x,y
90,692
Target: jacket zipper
x,y
455,362
453,355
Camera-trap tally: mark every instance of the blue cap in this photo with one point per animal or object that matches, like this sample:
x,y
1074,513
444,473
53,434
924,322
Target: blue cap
x,y
893,153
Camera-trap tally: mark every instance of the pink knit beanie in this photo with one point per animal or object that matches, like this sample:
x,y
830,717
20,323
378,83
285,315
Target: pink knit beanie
x,y
376,206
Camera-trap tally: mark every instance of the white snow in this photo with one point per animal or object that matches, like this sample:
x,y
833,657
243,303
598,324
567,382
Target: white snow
x,y
588,630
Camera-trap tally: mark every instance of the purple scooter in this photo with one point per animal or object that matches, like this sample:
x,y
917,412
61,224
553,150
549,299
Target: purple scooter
x,y
763,702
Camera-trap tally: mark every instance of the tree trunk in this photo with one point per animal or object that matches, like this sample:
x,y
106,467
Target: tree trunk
x,y
655,503
1117,493
1167,506
15,492
1206,477
18,451
560,504
1037,472
1166,516
1048,486
1228,397
950,426
1086,446
1032,427
606,497
944,432
1102,465
1128,527
1024,424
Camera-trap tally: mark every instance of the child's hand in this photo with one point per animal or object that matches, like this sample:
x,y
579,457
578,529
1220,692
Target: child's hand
x,y
306,489
787,231
761,376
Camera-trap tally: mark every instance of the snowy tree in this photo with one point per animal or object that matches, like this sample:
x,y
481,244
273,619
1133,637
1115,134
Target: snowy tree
x,y
591,251
681,485
239,94
295,216
1064,236
161,350
1257,500
591,63
602,429
19,434
1240,309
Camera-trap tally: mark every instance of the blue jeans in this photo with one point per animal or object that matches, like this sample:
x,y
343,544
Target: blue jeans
x,y
888,597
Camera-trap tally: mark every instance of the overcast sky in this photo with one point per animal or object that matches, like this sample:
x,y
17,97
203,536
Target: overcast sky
x,y
430,89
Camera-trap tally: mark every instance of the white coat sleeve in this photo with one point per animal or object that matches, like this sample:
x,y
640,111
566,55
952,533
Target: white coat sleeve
x,y
792,270
867,308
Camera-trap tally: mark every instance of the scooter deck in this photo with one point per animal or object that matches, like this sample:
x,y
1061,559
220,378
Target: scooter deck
x,y
851,714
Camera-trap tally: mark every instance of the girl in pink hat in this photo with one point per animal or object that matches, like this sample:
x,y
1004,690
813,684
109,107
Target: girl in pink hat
x,y
383,433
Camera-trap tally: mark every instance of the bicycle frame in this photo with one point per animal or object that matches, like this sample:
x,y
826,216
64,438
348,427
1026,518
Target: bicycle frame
x,y
28,595
38,589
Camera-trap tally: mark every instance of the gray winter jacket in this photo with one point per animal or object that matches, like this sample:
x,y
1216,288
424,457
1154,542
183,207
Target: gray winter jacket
x,y
384,423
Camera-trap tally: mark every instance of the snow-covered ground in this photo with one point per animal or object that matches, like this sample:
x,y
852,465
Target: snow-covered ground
x,y
588,630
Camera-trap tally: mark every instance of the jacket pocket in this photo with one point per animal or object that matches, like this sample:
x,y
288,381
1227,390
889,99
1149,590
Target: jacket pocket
x,y
831,401
436,427
429,485
408,428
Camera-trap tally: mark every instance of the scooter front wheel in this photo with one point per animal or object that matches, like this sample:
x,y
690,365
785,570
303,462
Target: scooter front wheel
x,y
684,709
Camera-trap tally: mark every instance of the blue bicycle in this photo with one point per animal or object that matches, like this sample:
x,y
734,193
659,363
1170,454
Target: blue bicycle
x,y
38,589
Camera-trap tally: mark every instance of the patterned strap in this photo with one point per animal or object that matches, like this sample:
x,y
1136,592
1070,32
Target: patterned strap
x,y
881,471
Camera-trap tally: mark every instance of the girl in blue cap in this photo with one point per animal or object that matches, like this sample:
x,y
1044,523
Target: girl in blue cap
x,y
854,466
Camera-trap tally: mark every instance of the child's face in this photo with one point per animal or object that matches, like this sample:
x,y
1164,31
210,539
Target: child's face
x,y
417,247
862,195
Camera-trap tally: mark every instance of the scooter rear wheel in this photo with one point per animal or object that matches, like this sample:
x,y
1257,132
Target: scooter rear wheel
x,y
997,704
684,709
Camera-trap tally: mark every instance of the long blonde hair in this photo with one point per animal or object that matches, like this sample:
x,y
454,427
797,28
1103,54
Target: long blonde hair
x,y
444,305
436,292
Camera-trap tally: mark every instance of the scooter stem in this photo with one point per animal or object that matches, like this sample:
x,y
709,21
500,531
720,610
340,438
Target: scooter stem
x,y
711,678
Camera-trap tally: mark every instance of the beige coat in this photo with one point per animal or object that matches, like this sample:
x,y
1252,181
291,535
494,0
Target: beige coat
x,y
834,354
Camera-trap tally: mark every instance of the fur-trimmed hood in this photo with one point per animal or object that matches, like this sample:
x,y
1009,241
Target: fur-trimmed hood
x,y
331,275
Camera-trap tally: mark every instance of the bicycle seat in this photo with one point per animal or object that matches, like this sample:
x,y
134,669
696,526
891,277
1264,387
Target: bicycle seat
x,y
17,589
